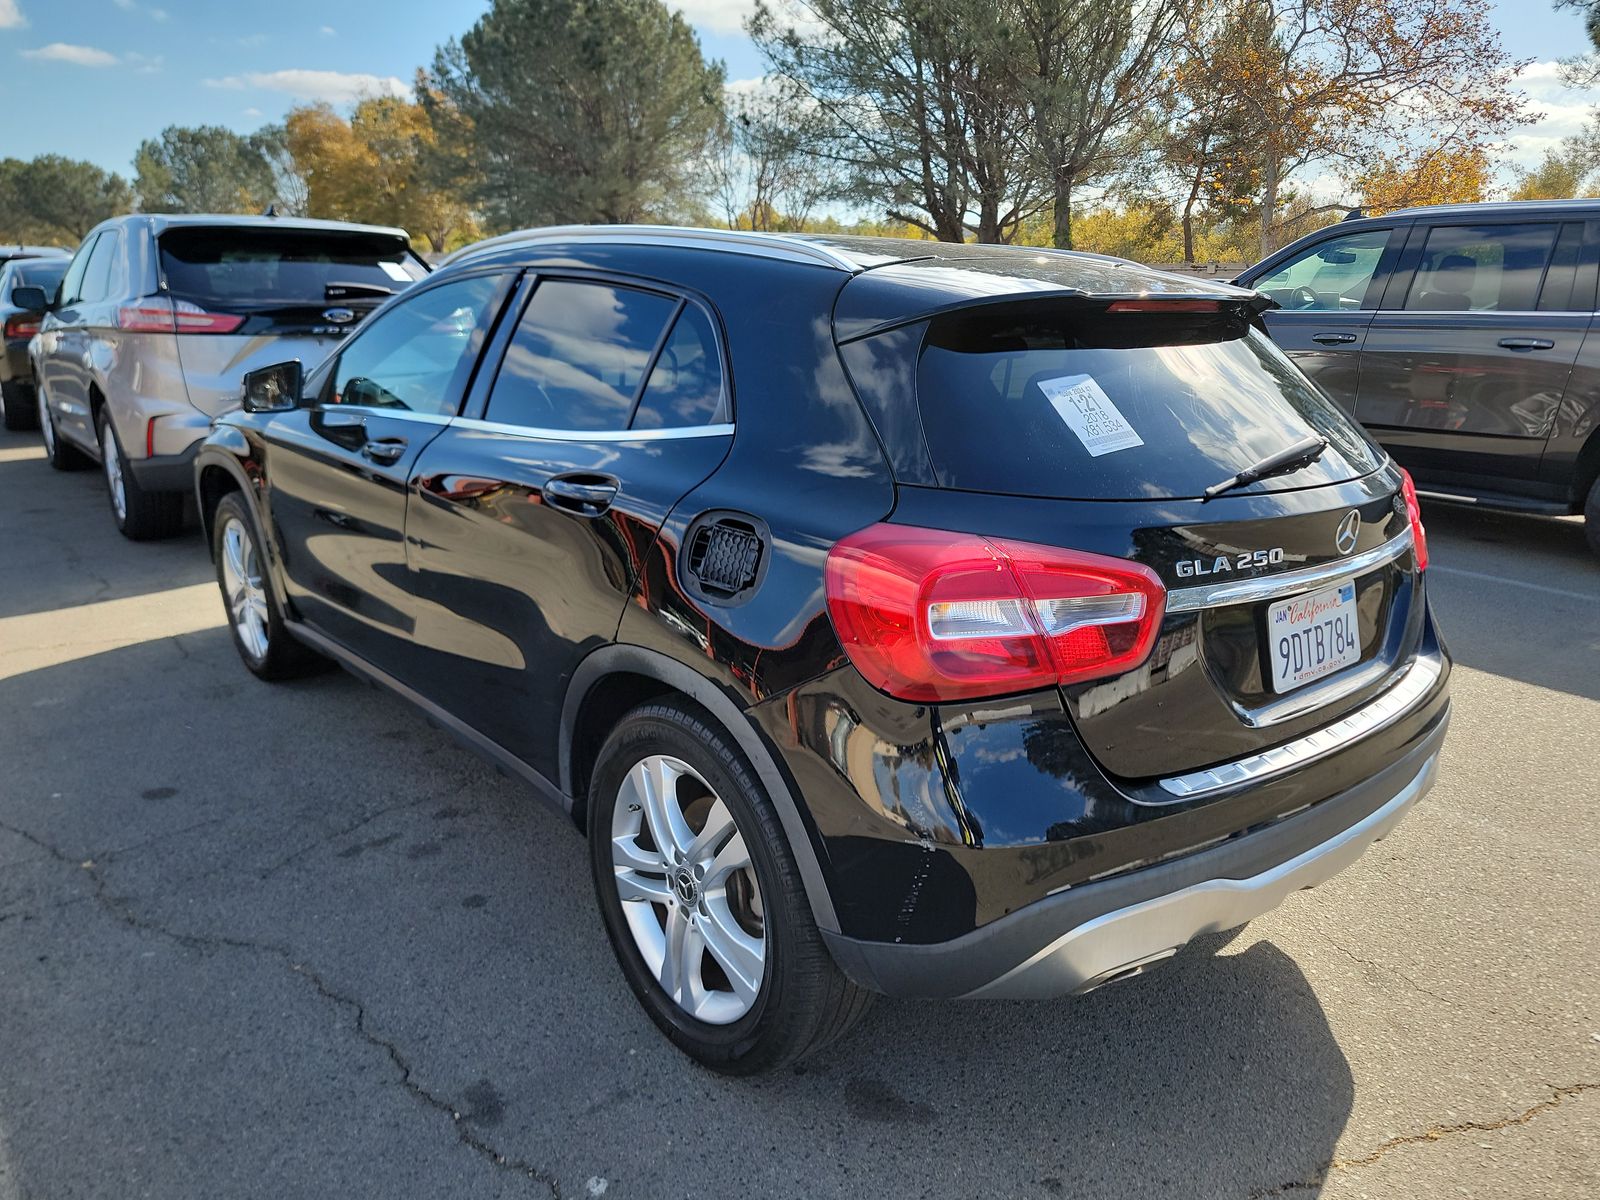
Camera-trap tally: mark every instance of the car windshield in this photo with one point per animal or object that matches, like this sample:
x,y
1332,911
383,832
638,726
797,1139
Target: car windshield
x,y
246,267
1110,407
43,273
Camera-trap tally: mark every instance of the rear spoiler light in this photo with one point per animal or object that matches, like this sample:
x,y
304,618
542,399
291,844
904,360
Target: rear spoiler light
x,y
162,314
1158,304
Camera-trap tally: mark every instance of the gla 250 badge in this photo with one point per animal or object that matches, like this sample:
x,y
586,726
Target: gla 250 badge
x,y
1189,568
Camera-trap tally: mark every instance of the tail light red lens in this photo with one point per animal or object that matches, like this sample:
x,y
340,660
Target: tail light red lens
x,y
1419,535
928,615
21,326
158,314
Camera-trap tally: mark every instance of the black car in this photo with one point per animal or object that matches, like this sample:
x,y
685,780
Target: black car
x,y
894,616
1464,338
19,406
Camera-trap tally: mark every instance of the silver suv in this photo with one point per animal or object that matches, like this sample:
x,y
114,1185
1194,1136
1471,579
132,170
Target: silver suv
x,y
159,317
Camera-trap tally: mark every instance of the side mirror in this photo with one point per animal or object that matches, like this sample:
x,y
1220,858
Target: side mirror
x,y
272,389
30,299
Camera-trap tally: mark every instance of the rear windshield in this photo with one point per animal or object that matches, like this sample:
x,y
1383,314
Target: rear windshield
x,y
1094,406
254,267
38,272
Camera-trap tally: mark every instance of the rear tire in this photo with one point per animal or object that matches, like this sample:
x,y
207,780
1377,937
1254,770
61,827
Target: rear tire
x,y
19,409
56,452
254,618
737,975
140,515
1591,517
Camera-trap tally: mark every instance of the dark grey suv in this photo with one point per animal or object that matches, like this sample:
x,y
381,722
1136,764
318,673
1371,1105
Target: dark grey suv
x,y
1464,338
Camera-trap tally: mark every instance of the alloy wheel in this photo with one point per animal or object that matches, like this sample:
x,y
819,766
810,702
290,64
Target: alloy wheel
x,y
244,588
688,890
112,461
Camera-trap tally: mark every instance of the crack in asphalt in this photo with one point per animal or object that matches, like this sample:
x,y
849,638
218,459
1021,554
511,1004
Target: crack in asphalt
x,y
266,873
1387,969
1434,1133
122,911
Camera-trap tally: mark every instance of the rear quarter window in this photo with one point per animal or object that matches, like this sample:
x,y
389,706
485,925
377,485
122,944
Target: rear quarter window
x,y
1095,406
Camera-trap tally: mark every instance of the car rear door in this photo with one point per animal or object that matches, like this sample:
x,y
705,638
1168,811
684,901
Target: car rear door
x,y
531,516
1466,362
1326,293
338,467
268,294
64,348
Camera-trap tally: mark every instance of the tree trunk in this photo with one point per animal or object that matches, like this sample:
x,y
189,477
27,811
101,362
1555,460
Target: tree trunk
x,y
1062,239
1269,204
1188,219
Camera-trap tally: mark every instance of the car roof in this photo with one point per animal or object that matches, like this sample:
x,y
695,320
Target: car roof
x,y
15,250
890,280
1498,208
162,221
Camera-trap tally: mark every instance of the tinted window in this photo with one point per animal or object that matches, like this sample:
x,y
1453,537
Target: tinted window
x,y
1115,407
97,275
72,282
418,354
1481,268
1561,278
685,386
578,356
245,266
43,273
1334,274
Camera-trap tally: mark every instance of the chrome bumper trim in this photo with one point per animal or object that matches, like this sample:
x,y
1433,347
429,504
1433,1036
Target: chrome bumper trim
x,y
1288,583
1365,721
1126,941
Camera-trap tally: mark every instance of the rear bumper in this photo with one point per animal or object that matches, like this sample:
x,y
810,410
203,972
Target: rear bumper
x,y
166,472
1084,936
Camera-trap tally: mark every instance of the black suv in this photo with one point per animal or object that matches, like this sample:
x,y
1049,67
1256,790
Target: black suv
x,y
894,616
1463,338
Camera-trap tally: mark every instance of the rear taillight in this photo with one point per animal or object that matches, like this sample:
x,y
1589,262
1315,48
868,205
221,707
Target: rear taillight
x,y
23,325
928,615
158,314
1419,535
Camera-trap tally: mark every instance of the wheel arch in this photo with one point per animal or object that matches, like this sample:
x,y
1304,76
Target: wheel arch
x,y
614,679
1586,471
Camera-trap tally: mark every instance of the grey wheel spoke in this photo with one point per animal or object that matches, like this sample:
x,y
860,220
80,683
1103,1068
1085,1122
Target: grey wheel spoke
x,y
679,967
732,857
627,854
740,956
656,783
634,885
717,829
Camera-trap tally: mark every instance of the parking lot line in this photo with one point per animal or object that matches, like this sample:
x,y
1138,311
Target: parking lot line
x,y
1532,587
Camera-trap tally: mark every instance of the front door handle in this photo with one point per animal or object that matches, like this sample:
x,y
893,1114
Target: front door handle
x,y
384,450
1527,343
585,495
1333,339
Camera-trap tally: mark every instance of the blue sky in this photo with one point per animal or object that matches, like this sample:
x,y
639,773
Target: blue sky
x,y
91,78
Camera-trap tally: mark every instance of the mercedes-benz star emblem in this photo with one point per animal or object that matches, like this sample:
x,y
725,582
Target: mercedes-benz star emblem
x,y
339,316
1349,530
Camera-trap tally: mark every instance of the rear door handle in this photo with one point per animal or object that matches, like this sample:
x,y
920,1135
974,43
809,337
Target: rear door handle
x,y
384,450
1333,339
585,495
1527,343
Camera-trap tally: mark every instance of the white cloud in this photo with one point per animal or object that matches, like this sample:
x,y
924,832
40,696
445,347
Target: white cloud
x,y
11,16
1565,112
125,5
82,56
336,87
329,31
719,16
252,112
147,64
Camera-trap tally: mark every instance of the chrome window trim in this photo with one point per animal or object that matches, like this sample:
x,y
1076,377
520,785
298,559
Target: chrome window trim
x,y
1286,583
760,245
376,410
1387,708
722,429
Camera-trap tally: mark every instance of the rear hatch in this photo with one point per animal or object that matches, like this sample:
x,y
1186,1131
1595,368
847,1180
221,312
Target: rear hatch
x,y
253,296
1098,426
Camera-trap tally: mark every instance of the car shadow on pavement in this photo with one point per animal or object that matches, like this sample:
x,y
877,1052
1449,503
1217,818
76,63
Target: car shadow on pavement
x,y
322,838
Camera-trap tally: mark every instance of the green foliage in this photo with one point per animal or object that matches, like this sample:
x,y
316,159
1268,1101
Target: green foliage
x,y
581,110
204,169
56,200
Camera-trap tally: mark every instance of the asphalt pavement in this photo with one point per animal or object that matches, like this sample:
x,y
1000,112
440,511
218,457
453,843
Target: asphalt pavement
x,y
288,941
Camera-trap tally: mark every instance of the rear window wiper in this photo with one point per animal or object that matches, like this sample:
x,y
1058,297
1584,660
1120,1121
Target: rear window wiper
x,y
356,291
1291,458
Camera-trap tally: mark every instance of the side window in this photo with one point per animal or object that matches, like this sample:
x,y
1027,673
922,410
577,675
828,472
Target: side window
x,y
418,354
97,275
72,282
1559,291
1481,268
578,356
685,385
1334,274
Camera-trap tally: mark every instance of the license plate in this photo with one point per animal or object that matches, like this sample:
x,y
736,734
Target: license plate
x,y
1312,636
